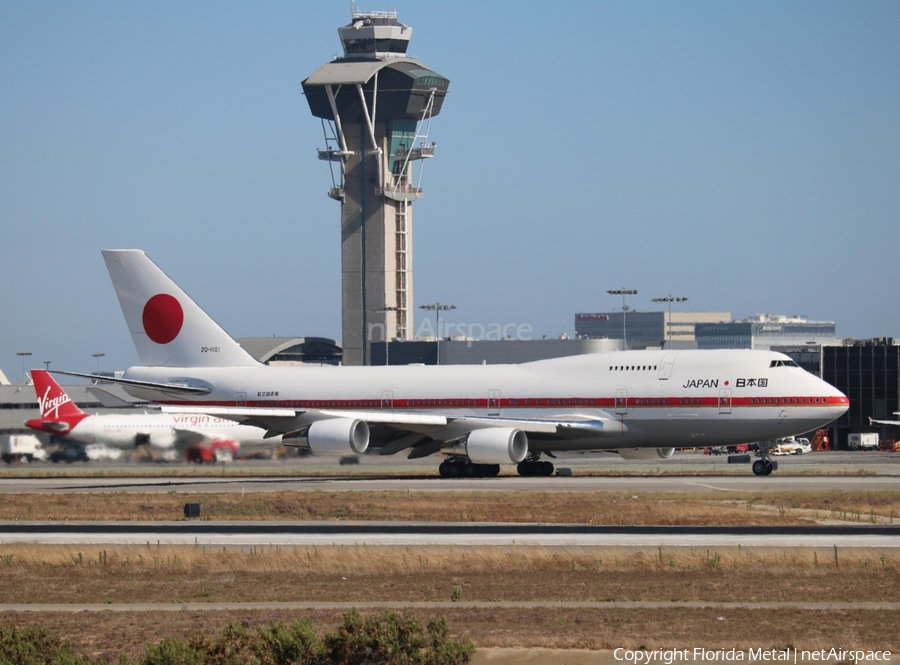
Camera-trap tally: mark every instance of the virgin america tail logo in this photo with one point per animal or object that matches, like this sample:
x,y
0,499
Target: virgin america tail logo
x,y
50,405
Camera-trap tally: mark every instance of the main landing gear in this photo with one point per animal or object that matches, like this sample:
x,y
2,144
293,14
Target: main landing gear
x,y
531,466
765,465
462,467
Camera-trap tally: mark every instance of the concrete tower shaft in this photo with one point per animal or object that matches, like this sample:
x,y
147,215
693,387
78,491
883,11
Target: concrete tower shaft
x,y
376,107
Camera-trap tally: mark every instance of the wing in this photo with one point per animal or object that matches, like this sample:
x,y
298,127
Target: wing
x,y
890,423
392,432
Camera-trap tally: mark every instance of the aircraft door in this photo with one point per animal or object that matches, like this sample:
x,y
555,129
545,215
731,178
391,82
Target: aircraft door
x,y
665,369
387,400
493,404
724,401
240,398
621,401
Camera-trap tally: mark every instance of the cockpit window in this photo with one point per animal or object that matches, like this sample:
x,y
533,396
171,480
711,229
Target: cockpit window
x,y
783,363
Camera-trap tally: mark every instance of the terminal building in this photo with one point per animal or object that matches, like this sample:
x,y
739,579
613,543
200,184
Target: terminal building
x,y
763,332
867,372
293,350
646,330
484,351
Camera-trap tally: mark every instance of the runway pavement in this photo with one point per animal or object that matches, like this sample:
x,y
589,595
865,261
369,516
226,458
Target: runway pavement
x,y
687,472
334,483
444,534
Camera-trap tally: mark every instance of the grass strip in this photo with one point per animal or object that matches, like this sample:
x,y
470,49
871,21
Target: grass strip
x,y
190,574
612,508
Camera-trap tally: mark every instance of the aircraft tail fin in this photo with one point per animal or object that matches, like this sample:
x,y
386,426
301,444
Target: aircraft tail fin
x,y
52,399
167,327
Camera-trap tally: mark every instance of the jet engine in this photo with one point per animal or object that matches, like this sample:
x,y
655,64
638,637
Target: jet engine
x,y
494,445
336,436
646,453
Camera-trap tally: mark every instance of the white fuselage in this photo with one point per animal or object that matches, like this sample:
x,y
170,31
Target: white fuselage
x,y
642,398
164,431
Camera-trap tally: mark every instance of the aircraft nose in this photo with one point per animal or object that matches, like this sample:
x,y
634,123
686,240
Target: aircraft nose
x,y
836,402
838,406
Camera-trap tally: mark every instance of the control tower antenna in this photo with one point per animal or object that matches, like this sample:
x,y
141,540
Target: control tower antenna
x,y
376,106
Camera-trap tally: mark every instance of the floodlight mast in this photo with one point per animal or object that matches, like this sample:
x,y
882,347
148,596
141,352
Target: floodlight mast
x,y
669,299
623,292
23,355
438,308
387,340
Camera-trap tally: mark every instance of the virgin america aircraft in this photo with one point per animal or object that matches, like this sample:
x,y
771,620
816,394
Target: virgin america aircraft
x,y
199,437
641,404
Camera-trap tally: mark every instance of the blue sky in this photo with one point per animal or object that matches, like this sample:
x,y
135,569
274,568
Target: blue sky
x,y
746,155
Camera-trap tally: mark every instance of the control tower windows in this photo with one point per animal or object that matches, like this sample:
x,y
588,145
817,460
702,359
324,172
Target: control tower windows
x,y
369,46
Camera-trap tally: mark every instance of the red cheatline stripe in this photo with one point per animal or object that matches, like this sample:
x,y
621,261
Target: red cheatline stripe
x,y
535,402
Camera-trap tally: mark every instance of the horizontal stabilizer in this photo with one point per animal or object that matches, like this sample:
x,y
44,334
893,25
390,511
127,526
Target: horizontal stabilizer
x,y
108,400
167,388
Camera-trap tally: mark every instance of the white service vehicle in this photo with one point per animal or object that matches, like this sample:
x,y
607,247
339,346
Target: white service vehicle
x,y
21,447
863,441
792,446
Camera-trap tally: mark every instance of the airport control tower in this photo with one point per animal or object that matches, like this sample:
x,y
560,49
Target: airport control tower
x,y
376,106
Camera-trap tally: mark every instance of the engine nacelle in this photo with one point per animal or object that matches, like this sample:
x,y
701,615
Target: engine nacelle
x,y
646,453
493,445
336,436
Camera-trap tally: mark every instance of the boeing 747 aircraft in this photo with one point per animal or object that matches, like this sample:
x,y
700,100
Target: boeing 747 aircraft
x,y
200,437
641,404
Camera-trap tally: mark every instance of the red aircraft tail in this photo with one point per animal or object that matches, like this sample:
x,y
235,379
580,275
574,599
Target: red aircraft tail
x,y
58,413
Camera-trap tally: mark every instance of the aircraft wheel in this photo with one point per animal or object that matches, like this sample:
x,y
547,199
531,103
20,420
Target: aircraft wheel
x,y
546,469
525,469
454,470
444,470
759,468
769,468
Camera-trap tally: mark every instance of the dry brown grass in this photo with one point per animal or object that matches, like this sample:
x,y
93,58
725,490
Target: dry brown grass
x,y
112,633
101,574
615,508
153,574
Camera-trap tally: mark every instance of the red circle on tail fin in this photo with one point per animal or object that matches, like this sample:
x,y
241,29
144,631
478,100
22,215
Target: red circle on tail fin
x,y
163,318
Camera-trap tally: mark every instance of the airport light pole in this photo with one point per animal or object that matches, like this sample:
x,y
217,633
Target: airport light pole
x,y
669,299
23,355
98,355
47,364
623,292
387,342
438,308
